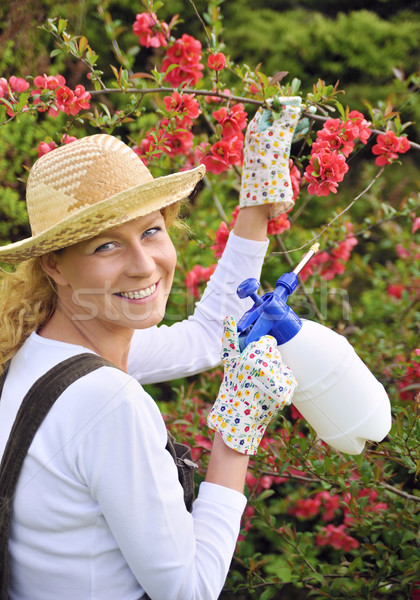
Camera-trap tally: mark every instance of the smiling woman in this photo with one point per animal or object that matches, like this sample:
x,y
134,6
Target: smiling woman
x,y
101,486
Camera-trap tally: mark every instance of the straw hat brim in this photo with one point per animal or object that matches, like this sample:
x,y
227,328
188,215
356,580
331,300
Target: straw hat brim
x,y
118,209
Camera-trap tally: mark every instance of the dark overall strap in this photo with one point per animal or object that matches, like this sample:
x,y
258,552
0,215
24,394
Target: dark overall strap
x,y
32,412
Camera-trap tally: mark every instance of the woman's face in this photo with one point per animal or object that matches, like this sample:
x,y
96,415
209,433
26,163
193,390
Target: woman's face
x,y
122,277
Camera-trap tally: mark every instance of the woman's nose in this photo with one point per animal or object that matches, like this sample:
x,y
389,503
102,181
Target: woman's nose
x,y
140,261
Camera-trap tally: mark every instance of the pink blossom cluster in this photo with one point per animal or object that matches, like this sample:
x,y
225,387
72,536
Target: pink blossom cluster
x,y
185,54
10,89
151,32
173,135
66,100
222,234
334,143
336,537
45,147
228,151
328,265
322,502
351,509
197,275
388,147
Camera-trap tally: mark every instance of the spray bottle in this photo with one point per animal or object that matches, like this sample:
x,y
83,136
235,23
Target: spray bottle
x,y
337,394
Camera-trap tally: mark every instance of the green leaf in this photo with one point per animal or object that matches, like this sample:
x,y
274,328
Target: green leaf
x,y
83,44
295,85
62,24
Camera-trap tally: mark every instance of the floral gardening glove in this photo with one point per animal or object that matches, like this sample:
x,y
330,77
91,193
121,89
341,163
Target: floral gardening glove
x,y
256,385
265,172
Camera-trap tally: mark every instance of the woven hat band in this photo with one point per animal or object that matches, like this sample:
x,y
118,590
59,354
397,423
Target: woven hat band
x,y
79,175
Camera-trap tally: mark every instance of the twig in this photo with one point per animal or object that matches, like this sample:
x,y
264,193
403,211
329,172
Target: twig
x,y
399,492
169,90
199,17
216,201
302,285
328,225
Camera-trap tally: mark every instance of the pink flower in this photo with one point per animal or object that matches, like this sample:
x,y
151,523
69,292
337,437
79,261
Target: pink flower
x,y
183,107
185,53
72,102
45,147
362,125
216,62
4,87
324,171
278,224
344,248
254,88
221,155
17,84
197,275
177,143
371,507
151,32
296,178
222,235
8,90
388,146
151,146
47,82
395,290
233,121
331,265
66,100
330,504
306,508
416,225
337,538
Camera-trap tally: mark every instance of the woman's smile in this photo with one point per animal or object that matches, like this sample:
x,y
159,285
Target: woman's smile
x,y
145,294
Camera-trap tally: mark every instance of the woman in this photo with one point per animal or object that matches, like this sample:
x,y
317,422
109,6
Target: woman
x,y
99,511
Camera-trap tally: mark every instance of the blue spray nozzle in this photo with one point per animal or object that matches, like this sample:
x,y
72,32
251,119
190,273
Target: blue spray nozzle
x,y
270,314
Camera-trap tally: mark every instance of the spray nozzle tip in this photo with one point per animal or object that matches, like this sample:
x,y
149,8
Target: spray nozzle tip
x,y
315,247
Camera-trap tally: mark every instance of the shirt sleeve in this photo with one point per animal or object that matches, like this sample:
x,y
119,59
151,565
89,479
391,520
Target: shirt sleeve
x,y
172,553
193,345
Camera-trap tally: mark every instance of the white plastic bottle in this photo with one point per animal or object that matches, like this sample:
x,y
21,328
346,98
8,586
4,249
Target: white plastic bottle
x,y
337,394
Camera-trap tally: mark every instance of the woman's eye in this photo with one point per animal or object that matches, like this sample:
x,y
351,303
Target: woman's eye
x,y
151,231
104,247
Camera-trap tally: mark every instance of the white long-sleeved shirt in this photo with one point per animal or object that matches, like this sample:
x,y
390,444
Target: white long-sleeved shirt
x,y
99,512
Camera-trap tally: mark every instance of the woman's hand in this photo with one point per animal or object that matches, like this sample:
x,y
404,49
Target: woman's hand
x,y
265,172
256,386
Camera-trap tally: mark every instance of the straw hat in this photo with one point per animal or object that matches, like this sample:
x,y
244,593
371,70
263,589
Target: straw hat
x,y
83,188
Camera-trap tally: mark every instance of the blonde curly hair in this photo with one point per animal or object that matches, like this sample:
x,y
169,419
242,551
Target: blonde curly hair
x,y
28,299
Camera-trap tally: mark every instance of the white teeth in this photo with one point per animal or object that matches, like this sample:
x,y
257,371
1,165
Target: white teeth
x,y
140,294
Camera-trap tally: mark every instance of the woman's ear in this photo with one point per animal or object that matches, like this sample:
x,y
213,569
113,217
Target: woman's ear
x,y
51,265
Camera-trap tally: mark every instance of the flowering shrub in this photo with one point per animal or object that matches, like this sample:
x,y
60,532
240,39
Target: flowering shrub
x,y
325,523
